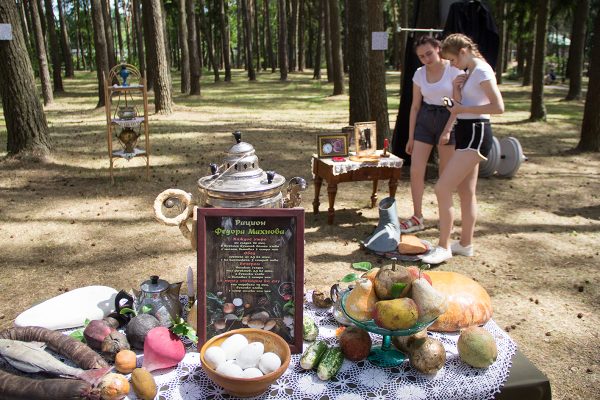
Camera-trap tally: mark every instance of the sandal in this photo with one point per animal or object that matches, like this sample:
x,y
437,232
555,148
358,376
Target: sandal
x,y
413,224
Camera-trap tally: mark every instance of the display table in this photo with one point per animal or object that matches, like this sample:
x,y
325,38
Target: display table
x,y
362,380
387,168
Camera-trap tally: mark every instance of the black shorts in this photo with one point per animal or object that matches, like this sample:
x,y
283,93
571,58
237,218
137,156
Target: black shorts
x,y
431,121
474,134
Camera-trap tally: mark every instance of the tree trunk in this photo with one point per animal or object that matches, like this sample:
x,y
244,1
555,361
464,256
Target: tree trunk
x,y
238,58
54,49
248,39
377,90
224,26
193,48
327,27
183,45
108,33
148,43
269,38
209,43
403,35
102,67
42,19
590,126
530,53
65,42
395,36
24,24
301,29
88,29
40,50
576,49
501,25
263,39
310,42
336,47
345,36
80,55
358,63
254,13
26,128
139,38
119,34
282,40
131,49
293,35
163,13
163,101
538,108
320,7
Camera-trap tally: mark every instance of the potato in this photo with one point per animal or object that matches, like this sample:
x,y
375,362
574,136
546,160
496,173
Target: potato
x,y
427,355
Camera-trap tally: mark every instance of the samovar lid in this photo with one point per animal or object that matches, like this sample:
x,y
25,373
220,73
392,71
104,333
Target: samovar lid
x,y
240,175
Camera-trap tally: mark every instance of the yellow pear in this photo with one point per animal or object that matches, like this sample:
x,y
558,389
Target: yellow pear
x,y
360,302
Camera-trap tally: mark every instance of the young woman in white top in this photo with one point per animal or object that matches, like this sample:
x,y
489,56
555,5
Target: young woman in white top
x,y
428,117
479,97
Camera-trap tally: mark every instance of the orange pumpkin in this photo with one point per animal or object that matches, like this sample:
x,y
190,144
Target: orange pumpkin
x,y
468,302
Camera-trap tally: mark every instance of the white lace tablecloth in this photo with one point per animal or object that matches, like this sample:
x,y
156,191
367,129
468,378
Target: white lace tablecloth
x,y
341,167
357,380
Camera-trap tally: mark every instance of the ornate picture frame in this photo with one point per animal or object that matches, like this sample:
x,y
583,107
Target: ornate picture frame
x,y
332,145
365,137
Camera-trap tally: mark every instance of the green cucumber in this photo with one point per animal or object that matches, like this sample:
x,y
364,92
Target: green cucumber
x,y
310,329
313,354
330,363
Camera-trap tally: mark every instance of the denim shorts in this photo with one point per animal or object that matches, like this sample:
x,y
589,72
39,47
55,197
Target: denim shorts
x,y
431,121
474,134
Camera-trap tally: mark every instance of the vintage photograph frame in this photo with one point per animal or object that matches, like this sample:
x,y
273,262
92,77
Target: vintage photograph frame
x,y
332,145
365,137
251,271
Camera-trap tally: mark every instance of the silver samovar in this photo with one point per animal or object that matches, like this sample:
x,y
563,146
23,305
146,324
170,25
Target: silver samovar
x,y
238,182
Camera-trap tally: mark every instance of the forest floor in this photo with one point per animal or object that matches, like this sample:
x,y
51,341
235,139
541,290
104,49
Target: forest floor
x,y
63,225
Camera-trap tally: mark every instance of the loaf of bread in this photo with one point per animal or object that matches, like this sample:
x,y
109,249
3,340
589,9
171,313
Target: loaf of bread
x,y
411,245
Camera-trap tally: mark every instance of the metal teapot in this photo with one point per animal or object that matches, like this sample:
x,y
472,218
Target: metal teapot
x,y
238,182
162,296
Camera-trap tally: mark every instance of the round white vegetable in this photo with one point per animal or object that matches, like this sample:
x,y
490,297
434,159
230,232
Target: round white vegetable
x,y
233,344
230,369
214,356
252,373
269,362
249,355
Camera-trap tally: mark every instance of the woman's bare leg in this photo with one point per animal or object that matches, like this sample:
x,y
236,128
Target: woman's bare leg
x,y
418,165
461,165
445,153
468,206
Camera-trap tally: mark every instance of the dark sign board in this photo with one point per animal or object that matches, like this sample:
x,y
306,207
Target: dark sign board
x,y
251,271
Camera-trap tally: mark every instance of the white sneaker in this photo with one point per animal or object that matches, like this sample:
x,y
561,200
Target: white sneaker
x,y
437,256
460,250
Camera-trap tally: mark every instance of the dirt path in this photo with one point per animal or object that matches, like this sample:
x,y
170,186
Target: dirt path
x,y
62,225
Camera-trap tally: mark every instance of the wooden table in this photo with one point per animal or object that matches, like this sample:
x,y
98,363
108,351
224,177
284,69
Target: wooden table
x,y
388,168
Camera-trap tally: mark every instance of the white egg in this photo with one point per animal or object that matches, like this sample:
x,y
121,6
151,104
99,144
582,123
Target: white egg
x,y
233,344
230,369
214,356
252,373
269,362
249,355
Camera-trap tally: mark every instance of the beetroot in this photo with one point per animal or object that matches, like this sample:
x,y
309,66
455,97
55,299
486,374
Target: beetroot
x,y
95,333
162,349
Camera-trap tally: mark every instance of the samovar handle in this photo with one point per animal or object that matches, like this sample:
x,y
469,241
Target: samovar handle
x,y
293,197
168,198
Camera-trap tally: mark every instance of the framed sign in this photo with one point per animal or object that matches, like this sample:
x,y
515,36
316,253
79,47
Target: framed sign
x,y
365,137
332,145
251,271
